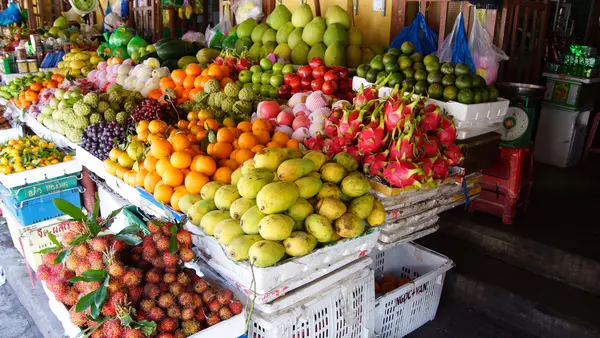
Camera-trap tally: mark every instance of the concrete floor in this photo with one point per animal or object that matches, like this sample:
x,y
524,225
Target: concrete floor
x,y
15,321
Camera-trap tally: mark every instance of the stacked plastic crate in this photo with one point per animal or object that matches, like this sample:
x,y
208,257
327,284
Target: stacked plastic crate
x,y
28,208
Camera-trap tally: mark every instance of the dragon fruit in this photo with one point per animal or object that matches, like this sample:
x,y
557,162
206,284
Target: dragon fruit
x,y
350,124
440,168
402,174
431,119
426,164
420,139
446,132
453,154
371,136
353,151
374,163
397,112
404,148
431,146
314,143
365,95
332,146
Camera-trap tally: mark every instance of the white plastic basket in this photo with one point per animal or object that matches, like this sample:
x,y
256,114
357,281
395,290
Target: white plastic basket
x,y
344,310
403,310
275,281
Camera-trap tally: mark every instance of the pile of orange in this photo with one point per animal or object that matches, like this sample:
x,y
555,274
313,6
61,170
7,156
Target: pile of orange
x,y
184,84
30,95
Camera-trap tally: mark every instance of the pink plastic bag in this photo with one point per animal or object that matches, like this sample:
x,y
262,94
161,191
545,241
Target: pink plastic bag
x,y
486,56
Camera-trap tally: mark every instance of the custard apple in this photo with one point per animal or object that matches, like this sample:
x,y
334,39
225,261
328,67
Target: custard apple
x,y
246,94
103,106
74,134
80,122
110,115
129,106
212,86
122,117
227,104
91,99
82,109
231,90
95,118
115,98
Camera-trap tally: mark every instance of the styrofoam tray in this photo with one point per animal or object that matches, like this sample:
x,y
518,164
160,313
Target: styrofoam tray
x,y
40,130
409,238
273,282
40,174
468,132
388,227
92,163
343,310
391,216
10,134
407,229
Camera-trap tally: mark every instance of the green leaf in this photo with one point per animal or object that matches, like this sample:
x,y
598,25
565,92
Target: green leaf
x,y
94,309
85,301
131,229
54,240
89,276
80,239
48,250
147,327
100,296
173,239
110,217
129,239
62,256
68,209
96,211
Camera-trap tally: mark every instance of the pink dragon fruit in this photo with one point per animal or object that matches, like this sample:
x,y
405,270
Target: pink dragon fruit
x,y
314,143
431,146
420,139
431,119
402,174
396,113
353,151
366,95
426,164
453,154
446,132
332,146
440,168
404,148
349,126
374,163
371,136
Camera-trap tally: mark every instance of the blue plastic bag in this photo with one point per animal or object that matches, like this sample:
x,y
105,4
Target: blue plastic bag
x,y
11,15
455,48
421,35
107,11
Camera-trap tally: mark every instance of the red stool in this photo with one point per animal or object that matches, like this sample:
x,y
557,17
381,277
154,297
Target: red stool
x,y
506,185
588,146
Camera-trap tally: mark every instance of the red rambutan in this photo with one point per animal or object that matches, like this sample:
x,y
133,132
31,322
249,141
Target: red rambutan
x,y
175,289
174,312
82,267
183,279
186,254
99,244
95,260
165,335
151,290
214,306
168,325
133,333
225,313
197,300
200,286
188,313
185,299
71,297
81,250
201,314
169,259
153,227
49,258
162,244
212,319
77,318
132,277
184,237
166,300
146,304
112,329
156,314
116,270
135,293
72,262
154,276
118,245
189,327
224,296
208,296
236,307
43,272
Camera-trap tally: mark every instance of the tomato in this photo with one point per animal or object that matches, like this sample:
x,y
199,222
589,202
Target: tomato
x,y
316,84
306,83
295,82
287,78
331,75
315,62
319,72
304,71
269,109
330,87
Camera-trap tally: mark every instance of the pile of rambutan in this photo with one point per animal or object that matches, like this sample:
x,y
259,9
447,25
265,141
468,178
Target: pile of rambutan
x,y
139,279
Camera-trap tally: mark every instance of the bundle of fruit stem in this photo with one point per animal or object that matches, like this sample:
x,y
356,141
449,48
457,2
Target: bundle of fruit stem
x,y
397,138
130,284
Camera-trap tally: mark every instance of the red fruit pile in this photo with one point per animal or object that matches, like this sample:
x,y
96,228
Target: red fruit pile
x,y
147,282
404,142
151,109
389,283
315,76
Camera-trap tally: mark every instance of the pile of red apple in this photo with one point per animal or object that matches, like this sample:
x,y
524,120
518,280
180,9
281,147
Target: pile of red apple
x,y
334,81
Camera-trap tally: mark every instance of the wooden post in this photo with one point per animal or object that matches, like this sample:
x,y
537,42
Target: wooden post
x,y
398,17
443,18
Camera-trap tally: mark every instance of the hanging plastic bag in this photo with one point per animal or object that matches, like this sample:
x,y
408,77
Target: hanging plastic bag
x,y
486,56
215,36
11,15
455,48
421,35
244,9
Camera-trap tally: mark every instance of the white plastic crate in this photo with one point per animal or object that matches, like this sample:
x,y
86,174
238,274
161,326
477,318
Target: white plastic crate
x,y
407,228
403,310
11,134
408,238
273,282
40,174
344,310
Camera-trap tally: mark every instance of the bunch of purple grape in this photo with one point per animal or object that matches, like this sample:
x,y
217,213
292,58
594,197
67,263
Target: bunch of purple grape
x,y
151,109
99,138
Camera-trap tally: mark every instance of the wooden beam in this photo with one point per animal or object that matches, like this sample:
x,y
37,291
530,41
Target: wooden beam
x,y
398,17
443,19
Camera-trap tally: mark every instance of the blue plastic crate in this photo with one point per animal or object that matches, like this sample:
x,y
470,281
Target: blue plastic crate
x,y
146,195
41,208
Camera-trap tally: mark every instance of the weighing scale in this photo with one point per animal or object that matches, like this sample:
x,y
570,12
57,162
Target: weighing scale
x,y
519,121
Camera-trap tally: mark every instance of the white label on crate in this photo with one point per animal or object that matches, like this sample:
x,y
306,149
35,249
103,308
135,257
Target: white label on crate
x,y
573,93
438,280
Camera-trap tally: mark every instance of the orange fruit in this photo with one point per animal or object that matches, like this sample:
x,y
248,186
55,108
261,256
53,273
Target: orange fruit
x,y
225,135
233,154
188,83
204,164
194,182
231,164
155,93
280,137
179,91
210,149
181,159
293,143
211,124
163,193
205,114
225,81
248,140
143,136
215,71
223,175
142,126
178,193
121,171
193,93
261,124
180,141
166,83
161,148
150,163
198,82
150,181
153,137
178,76
193,69
182,124
139,177
173,177
274,144
263,136
157,126
243,155
244,126
162,165
228,122
222,149
235,144
257,148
